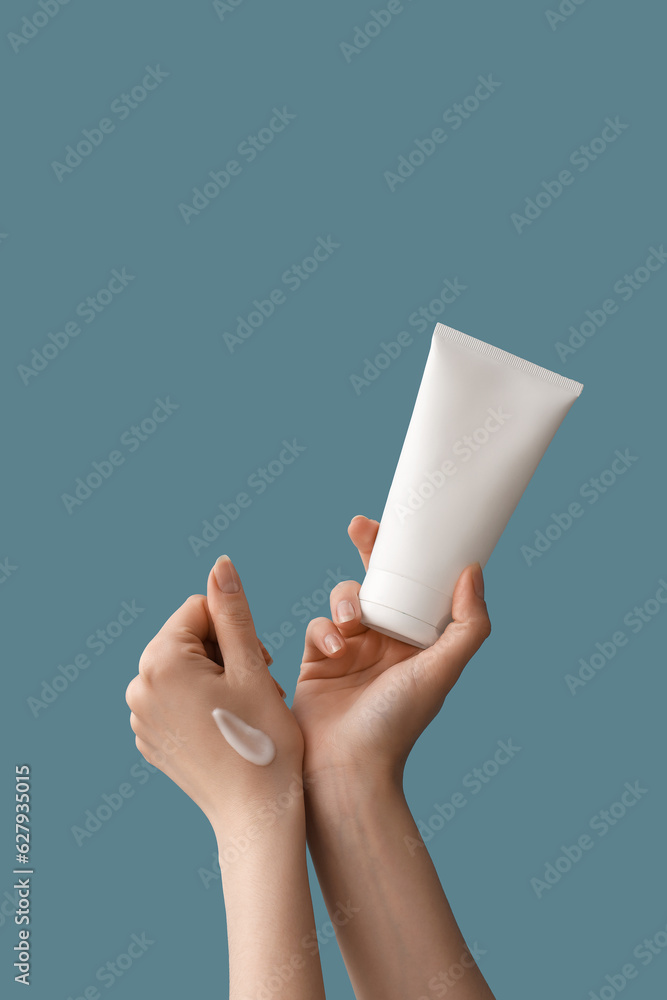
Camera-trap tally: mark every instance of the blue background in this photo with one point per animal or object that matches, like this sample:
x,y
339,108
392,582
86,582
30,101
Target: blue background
x,y
323,175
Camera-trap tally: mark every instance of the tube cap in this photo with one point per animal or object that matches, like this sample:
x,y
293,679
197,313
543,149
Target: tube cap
x,y
403,609
398,625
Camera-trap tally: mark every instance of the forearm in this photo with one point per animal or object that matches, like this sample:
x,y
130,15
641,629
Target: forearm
x,y
400,934
269,911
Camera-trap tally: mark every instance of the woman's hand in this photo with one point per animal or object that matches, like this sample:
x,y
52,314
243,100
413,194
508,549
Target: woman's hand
x,y
206,656
363,698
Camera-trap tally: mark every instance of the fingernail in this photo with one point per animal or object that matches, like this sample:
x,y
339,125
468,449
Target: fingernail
x,y
345,611
332,643
226,576
478,580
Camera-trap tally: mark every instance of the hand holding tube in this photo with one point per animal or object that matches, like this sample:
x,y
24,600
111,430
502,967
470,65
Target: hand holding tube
x,y
363,698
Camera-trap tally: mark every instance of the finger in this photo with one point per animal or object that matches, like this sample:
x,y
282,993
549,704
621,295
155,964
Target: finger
x,y
281,691
323,641
268,659
363,532
213,649
447,657
346,609
145,749
186,632
234,627
132,691
191,620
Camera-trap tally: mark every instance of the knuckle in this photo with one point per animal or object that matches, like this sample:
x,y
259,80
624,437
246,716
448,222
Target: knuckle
x,y
147,669
252,660
145,750
132,691
139,699
152,666
195,601
316,625
147,660
485,628
342,589
236,617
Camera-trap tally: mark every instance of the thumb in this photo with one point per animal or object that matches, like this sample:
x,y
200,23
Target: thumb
x,y
443,662
230,614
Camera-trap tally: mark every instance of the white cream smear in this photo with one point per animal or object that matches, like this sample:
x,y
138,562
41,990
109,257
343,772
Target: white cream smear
x,y
252,744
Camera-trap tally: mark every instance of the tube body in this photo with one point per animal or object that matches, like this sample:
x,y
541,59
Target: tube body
x,y
481,423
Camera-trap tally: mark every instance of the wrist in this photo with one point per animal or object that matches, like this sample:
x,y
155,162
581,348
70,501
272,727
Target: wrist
x,y
263,861
347,786
351,803
258,824
362,824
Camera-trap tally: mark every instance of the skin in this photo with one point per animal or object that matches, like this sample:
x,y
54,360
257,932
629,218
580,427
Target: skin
x,y
257,813
361,702
361,707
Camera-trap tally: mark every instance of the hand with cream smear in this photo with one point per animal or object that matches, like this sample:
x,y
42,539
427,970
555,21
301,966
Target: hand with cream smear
x,y
207,712
182,680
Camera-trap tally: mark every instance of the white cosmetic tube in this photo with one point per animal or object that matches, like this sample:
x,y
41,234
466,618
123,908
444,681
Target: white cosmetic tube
x,y
481,423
